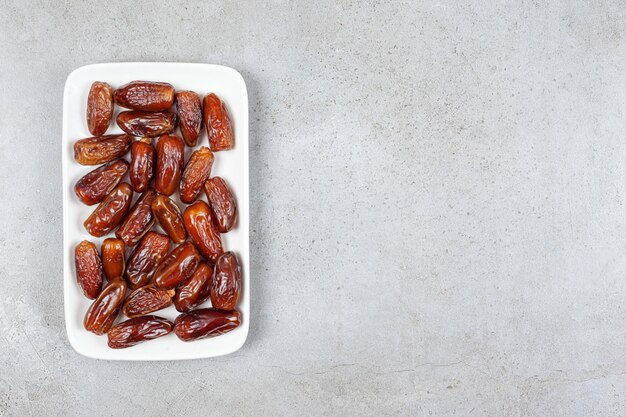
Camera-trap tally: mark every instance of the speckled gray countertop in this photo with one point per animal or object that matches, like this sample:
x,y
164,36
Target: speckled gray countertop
x,y
437,208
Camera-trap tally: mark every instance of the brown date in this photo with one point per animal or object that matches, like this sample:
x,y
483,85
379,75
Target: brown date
x,y
149,124
145,259
110,212
169,217
99,108
142,160
217,123
145,95
195,290
100,149
222,202
179,265
196,172
88,269
145,300
103,311
226,283
139,220
169,165
205,322
113,260
137,330
203,231
97,184
189,116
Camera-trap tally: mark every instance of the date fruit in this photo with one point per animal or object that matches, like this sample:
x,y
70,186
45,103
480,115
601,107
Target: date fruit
x,y
113,260
149,124
170,159
104,310
145,259
194,291
196,172
145,95
222,202
139,220
137,330
99,108
100,149
179,265
169,217
88,269
110,212
142,161
217,123
203,231
189,115
97,184
205,322
146,300
226,283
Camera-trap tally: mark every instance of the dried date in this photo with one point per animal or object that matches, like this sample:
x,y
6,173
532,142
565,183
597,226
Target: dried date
x,y
94,186
148,124
100,149
142,161
169,217
137,330
145,95
222,202
113,259
88,269
139,220
170,159
196,172
217,123
226,283
179,265
205,322
145,300
99,108
195,290
203,231
189,115
104,310
144,260
110,212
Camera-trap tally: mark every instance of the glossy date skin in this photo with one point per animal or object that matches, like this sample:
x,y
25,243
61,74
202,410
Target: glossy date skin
x,y
205,322
99,108
169,165
217,123
94,186
147,256
226,283
148,124
145,95
146,300
222,202
113,259
170,218
139,220
100,149
137,330
88,269
110,212
189,115
203,231
142,161
196,172
195,290
103,311
179,265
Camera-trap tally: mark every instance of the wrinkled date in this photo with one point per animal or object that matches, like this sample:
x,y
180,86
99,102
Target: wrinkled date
x,y
88,269
101,149
99,108
147,299
179,265
217,123
142,157
170,159
189,115
222,203
149,124
113,261
145,95
226,284
145,259
138,330
110,212
194,291
97,184
205,322
169,217
196,172
203,231
139,220
103,311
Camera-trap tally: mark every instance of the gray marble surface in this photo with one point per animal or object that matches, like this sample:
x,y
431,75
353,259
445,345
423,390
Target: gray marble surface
x,y
437,207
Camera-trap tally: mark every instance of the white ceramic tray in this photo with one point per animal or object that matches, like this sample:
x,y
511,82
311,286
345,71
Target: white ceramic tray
x,y
231,165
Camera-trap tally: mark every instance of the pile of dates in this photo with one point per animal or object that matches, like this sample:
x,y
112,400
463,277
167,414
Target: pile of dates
x,y
153,277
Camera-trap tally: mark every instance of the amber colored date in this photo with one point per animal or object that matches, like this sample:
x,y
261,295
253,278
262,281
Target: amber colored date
x,y
217,123
196,172
205,322
145,259
139,220
103,311
222,202
100,149
189,115
179,265
142,161
195,290
137,330
113,260
146,300
148,124
203,231
88,269
145,95
170,159
94,186
99,108
226,283
169,217
110,212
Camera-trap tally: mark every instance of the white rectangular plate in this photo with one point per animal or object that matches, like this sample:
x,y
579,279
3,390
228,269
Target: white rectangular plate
x,y
231,165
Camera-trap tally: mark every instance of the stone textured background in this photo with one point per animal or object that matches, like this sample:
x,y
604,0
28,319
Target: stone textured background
x,y
437,207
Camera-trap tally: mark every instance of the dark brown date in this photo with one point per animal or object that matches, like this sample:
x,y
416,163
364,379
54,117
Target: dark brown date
x,y
169,165
145,259
149,124
99,108
88,269
142,161
203,231
101,149
103,311
113,259
145,95
217,123
169,217
179,265
137,330
97,184
110,212
226,283
196,172
147,299
139,220
195,290
189,116
222,202
205,322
